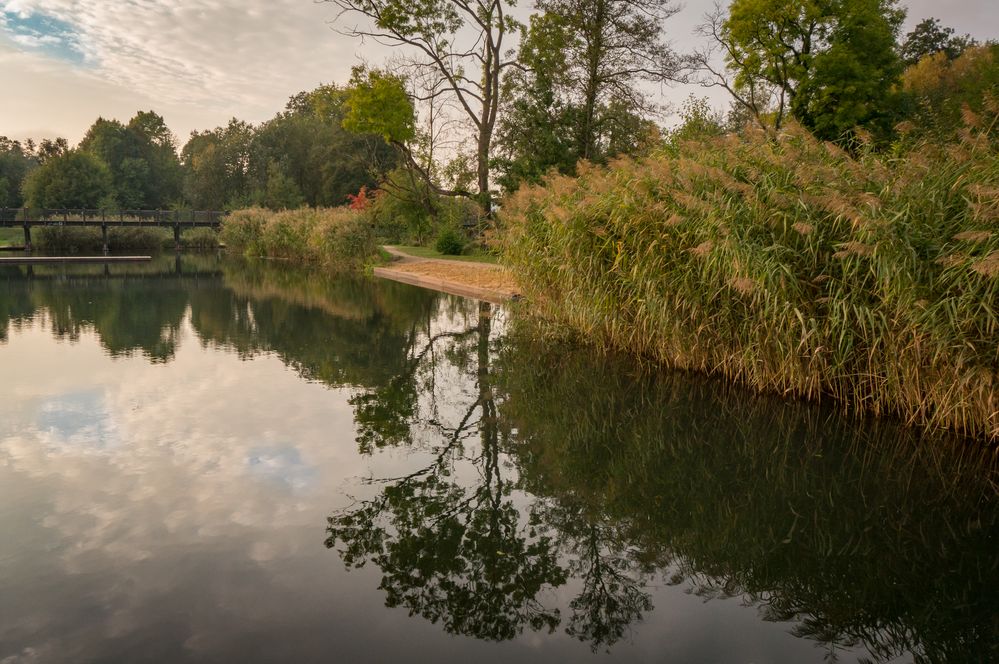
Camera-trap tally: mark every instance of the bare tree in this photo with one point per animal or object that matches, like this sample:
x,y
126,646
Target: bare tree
x,y
455,38
712,66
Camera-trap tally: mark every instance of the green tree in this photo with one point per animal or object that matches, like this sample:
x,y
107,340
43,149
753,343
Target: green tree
x,y
142,158
929,37
76,179
306,148
158,148
50,148
611,48
850,83
536,131
16,161
579,93
282,193
378,104
216,166
831,64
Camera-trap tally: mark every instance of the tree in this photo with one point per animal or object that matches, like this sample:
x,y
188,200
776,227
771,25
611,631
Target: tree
x,y
306,148
158,148
216,165
281,193
142,158
535,133
579,92
831,64
76,179
463,41
16,161
50,148
850,83
940,89
612,46
929,37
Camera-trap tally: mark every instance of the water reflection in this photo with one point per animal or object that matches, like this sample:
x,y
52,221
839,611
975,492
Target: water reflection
x,y
490,488
861,533
451,551
867,537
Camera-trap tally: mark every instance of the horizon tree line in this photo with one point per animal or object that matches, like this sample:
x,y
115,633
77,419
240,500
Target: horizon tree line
x,y
574,87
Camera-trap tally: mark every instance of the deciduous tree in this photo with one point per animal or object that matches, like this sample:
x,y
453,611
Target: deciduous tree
x,y
462,40
929,37
829,63
76,179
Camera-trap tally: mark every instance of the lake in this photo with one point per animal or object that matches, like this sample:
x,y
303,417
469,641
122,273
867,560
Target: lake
x,y
203,459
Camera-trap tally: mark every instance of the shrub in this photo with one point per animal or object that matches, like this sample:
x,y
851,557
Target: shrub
x,y
450,242
200,238
786,264
70,239
337,237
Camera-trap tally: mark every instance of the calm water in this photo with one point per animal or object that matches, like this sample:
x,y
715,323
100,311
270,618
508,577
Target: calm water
x,y
204,460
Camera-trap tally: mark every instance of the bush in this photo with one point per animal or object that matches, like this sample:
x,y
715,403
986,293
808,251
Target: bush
x,y
336,237
786,264
199,238
69,239
407,210
449,242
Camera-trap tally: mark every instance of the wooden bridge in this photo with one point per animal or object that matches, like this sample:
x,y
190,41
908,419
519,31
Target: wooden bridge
x,y
28,218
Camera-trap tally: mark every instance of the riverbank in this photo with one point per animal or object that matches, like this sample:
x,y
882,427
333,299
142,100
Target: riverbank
x,y
785,264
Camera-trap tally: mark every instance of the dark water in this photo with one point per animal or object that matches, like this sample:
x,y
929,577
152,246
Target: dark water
x,y
211,461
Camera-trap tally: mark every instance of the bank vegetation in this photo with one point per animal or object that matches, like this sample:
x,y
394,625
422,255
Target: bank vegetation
x,y
786,263
339,238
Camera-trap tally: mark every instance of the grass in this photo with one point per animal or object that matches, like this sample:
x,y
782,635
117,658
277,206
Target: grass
x,y
11,237
786,264
338,238
429,252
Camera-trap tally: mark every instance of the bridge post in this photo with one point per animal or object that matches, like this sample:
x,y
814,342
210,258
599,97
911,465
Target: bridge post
x,y
27,236
176,236
104,237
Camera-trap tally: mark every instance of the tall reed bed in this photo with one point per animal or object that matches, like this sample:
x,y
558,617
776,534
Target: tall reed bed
x,y
336,237
787,264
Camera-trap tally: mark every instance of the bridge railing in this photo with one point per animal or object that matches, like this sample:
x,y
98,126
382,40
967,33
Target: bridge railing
x,y
111,216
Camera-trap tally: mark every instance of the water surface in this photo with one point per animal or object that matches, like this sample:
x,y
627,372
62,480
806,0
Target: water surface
x,y
208,460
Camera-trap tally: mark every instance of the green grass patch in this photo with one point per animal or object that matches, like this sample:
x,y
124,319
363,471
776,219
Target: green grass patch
x,y
11,237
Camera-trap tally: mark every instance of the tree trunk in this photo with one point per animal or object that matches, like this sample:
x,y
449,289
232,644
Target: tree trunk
x,y
594,56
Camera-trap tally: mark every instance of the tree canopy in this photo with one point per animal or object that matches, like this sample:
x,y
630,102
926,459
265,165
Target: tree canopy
x,y
930,37
76,179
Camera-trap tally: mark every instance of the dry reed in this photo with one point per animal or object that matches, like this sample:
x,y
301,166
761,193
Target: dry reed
x,y
786,264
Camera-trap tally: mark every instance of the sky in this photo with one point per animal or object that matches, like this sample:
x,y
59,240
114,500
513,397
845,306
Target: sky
x,y
198,63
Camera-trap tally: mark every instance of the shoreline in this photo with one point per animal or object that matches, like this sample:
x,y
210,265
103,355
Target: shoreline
x,y
481,281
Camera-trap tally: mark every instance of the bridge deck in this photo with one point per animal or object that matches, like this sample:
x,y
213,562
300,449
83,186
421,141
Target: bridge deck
x,y
28,218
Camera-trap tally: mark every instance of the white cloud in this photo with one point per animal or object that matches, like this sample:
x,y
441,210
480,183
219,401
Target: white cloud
x,y
214,59
201,63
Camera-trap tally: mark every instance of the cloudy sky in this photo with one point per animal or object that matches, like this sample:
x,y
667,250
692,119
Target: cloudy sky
x,y
200,62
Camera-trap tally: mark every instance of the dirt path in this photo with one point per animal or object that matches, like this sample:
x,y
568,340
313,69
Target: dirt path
x,y
483,281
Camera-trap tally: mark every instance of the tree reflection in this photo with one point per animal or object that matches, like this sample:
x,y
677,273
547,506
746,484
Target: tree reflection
x,y
863,534
131,307
451,545
544,464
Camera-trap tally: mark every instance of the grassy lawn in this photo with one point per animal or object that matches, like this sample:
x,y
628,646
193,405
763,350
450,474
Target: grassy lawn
x,y
11,237
428,252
